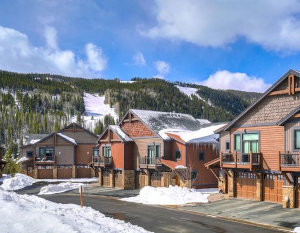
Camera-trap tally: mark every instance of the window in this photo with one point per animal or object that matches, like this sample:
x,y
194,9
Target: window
x,y
46,152
201,155
106,151
96,152
157,151
29,154
237,142
178,154
297,139
151,151
227,145
194,175
250,143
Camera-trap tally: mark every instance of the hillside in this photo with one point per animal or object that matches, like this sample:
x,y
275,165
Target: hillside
x,y
42,103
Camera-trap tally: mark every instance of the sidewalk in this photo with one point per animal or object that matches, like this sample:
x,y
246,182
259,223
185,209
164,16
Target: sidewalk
x,y
251,211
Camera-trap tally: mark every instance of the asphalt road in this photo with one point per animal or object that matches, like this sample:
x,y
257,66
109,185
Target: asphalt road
x,y
157,219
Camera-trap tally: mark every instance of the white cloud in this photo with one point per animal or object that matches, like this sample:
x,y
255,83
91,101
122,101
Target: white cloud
x,y
18,54
274,26
235,81
163,68
139,59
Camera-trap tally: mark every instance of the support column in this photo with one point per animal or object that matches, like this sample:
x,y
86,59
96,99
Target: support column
x,y
74,171
35,172
54,170
231,184
128,179
100,175
259,187
111,178
93,173
148,178
288,199
222,184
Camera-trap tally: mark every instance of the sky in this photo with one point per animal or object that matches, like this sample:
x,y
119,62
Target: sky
x,y
244,45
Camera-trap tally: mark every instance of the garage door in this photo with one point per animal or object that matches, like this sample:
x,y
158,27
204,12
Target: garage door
x,y
156,179
118,179
106,174
64,172
246,185
83,173
273,188
140,180
45,172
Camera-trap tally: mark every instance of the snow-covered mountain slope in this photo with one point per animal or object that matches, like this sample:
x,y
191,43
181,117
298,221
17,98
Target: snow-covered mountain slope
x,y
189,91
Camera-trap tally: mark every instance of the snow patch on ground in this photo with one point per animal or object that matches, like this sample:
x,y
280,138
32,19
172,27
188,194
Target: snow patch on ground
x,y
59,188
24,213
173,195
297,230
17,182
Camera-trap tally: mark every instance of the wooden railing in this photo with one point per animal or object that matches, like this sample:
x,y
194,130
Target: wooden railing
x,y
289,159
240,160
45,159
145,161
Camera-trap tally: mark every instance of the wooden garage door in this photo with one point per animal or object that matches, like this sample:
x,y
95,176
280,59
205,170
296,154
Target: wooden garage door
x,y
156,179
106,178
272,188
64,172
118,179
45,173
83,173
140,180
246,185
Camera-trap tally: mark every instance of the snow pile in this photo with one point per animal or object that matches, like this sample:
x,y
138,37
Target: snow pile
x,y
173,195
180,167
23,213
19,181
189,91
297,230
59,188
67,138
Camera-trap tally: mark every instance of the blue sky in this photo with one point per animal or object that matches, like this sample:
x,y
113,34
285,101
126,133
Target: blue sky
x,y
244,45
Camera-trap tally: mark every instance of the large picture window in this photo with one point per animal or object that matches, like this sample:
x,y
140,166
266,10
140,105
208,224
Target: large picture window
x,y
237,142
297,139
106,151
250,143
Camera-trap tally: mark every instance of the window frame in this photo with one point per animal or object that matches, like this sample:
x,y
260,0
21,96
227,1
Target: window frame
x,y
258,141
104,151
234,141
46,148
176,151
294,138
203,159
27,152
227,142
96,149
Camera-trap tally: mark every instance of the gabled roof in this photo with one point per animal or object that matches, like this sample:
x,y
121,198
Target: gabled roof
x,y
288,116
65,137
118,131
30,139
158,121
296,73
78,126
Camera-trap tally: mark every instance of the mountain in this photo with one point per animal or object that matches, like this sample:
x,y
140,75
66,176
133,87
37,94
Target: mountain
x,y
42,103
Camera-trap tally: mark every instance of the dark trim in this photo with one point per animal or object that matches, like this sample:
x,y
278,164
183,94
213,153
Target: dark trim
x,y
227,141
288,116
234,134
296,128
261,98
146,137
180,155
257,125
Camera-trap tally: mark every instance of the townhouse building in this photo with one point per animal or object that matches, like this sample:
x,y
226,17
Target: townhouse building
x,y
158,149
259,149
60,155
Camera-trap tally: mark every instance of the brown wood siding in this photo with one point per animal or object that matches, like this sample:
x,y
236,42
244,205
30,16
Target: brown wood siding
x,y
156,179
271,142
118,179
204,176
136,129
224,137
117,153
129,164
80,135
289,134
64,173
106,180
246,185
272,188
83,172
140,180
45,173
83,154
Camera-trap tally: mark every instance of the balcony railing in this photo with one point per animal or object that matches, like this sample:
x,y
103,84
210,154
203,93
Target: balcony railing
x,y
289,160
149,162
45,159
102,161
240,160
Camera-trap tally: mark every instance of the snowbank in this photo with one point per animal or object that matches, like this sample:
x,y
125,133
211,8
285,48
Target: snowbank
x,y
19,181
59,188
297,230
173,195
23,213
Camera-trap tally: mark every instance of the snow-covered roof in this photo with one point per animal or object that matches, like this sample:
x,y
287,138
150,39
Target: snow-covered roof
x,y
203,121
22,159
30,139
203,135
67,138
121,134
160,121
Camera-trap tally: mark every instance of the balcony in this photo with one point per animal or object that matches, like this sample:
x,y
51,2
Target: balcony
x,y
102,161
289,162
44,160
240,160
149,163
